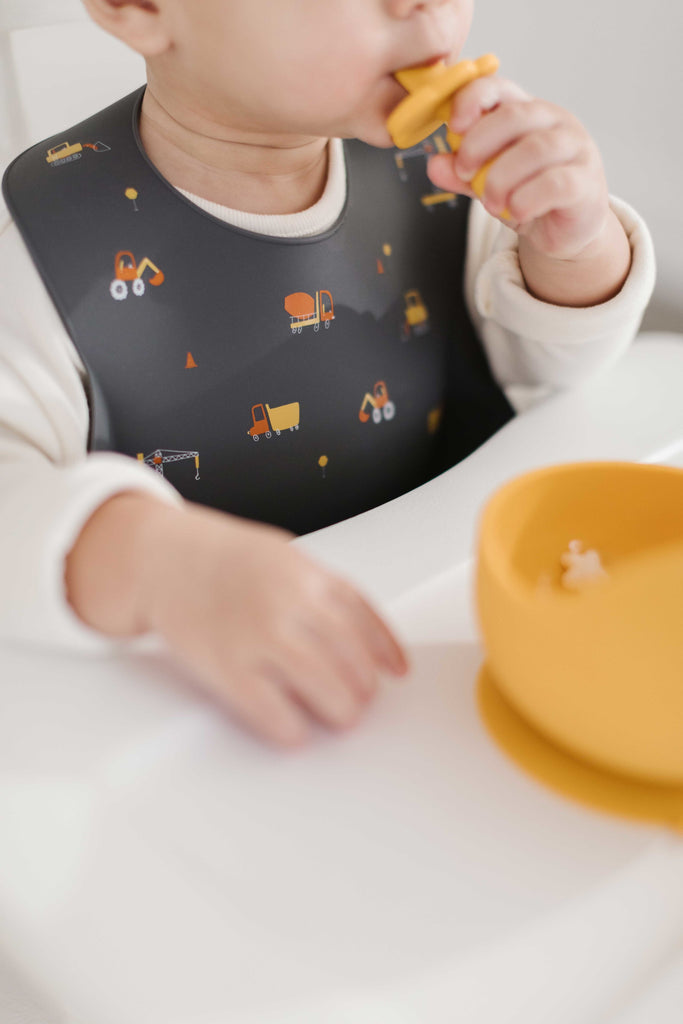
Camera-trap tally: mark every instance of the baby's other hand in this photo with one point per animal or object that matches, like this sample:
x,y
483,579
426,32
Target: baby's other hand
x,y
547,170
264,629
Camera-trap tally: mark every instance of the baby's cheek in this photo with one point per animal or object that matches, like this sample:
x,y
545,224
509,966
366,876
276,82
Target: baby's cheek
x,y
321,86
352,106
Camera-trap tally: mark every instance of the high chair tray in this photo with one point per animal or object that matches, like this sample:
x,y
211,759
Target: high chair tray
x,y
158,866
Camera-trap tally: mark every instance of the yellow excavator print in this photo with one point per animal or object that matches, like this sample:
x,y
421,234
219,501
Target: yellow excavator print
x,y
416,315
65,153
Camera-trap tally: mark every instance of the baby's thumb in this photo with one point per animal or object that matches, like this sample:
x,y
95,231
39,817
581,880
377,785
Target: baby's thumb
x,y
441,172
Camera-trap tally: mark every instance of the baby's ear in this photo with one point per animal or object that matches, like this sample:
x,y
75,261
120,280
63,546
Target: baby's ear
x,y
141,24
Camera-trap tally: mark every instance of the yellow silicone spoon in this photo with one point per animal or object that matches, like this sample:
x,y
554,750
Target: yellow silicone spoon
x,y
427,106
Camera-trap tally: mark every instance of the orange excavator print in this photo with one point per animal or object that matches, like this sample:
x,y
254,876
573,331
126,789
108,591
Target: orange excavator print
x,y
126,269
381,405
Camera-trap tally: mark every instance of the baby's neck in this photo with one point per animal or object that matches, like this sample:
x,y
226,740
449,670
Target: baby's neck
x,y
255,174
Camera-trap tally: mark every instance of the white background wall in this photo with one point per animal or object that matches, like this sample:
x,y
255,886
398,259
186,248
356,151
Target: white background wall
x,y
618,65
615,63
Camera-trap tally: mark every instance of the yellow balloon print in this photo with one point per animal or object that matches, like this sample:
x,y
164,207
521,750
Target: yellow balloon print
x,y
322,462
132,194
434,419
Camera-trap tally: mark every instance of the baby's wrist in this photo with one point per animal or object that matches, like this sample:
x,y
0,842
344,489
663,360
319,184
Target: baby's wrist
x,y
165,538
589,277
110,571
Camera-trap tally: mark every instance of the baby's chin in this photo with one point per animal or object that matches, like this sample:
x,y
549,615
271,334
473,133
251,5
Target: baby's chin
x,y
373,132
378,137
367,118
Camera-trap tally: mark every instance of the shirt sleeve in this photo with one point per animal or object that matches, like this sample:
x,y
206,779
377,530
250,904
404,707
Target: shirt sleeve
x,y
50,485
534,347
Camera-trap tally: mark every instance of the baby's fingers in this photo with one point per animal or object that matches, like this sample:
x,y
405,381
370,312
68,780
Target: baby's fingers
x,y
264,708
529,157
500,129
555,188
480,96
442,173
469,105
319,683
374,632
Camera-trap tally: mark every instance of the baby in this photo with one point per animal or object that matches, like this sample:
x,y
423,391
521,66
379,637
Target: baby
x,y
285,327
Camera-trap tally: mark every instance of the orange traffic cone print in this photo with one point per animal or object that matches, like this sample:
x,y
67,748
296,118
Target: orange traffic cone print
x,y
190,364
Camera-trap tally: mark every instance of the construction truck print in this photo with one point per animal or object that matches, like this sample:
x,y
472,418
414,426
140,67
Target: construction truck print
x,y
306,311
416,317
162,456
380,404
428,147
437,197
434,144
127,270
65,153
268,421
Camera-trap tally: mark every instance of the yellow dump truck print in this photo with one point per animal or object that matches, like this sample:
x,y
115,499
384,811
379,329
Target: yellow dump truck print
x,y
279,418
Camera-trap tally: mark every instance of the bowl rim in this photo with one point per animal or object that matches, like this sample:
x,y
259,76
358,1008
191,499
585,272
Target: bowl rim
x,y
491,549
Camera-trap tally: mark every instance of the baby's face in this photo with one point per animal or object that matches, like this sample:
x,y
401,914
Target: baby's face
x,y
307,67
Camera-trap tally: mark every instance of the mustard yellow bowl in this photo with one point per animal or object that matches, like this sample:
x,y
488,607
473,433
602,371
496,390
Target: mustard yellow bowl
x,y
595,666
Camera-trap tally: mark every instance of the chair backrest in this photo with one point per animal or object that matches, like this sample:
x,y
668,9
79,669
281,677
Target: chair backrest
x,y
56,67
22,15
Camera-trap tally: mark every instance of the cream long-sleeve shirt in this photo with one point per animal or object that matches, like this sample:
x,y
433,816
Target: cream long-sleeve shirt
x,y
51,485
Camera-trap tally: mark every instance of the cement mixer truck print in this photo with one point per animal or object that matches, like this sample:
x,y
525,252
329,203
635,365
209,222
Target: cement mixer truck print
x,y
306,311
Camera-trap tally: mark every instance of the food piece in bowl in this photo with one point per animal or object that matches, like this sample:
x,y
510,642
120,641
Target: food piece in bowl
x,y
582,568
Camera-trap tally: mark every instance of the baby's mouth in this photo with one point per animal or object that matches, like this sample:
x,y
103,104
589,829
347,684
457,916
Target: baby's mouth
x,y
436,59
404,74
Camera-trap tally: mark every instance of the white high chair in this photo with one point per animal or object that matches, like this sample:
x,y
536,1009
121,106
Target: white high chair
x,y
56,67
139,858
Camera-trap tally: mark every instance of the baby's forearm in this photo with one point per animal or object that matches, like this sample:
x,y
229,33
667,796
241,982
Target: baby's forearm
x,y
109,571
595,276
